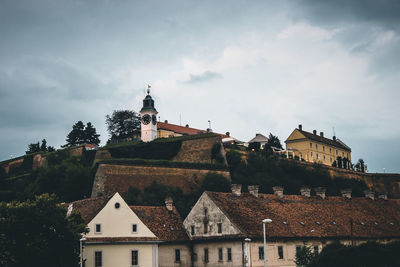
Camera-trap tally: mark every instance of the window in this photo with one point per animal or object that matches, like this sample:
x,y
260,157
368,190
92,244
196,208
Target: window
x,y
98,259
310,145
206,255
134,228
205,227
205,211
298,250
192,229
331,159
324,157
323,148
280,252
315,250
316,146
219,228
135,257
311,153
260,253
229,254
336,152
342,153
220,255
98,228
330,150
317,155
177,255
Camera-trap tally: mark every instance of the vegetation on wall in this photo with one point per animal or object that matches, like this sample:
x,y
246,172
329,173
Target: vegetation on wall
x,y
265,169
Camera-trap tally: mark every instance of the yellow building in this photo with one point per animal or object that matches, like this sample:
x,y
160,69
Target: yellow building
x,y
312,147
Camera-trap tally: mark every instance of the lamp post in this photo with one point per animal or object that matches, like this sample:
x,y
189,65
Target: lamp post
x,y
80,248
265,240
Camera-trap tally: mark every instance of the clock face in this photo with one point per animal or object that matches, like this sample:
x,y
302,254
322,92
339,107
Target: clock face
x,y
146,119
154,119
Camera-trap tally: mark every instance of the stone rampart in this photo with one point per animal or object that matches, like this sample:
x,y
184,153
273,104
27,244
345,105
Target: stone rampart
x,y
112,178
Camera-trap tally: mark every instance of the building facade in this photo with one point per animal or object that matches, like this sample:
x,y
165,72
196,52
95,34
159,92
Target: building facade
x,y
312,147
148,119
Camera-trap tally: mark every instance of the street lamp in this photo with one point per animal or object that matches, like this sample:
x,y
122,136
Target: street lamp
x,y
265,240
80,246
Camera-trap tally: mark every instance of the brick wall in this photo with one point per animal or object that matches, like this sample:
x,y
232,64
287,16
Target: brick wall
x,y
118,178
197,150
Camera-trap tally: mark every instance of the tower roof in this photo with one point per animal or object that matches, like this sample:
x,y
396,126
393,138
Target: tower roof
x,y
148,103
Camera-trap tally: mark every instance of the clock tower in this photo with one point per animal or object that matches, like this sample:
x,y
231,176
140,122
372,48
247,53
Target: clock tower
x,y
149,119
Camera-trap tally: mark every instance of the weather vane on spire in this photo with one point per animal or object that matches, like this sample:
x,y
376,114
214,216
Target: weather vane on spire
x,y
148,89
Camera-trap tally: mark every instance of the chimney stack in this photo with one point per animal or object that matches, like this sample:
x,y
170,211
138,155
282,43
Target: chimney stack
x,y
314,132
278,190
166,121
228,133
253,189
187,125
169,203
383,196
236,189
334,138
320,191
300,127
369,194
346,193
305,191
321,134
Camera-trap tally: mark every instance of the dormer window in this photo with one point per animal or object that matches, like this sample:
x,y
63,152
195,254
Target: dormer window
x,y
302,223
334,223
318,223
97,228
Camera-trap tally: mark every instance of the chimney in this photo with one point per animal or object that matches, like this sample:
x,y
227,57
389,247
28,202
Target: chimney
x,y
320,191
305,191
236,189
253,189
228,133
169,203
166,121
334,138
314,132
383,196
278,190
187,125
346,193
300,127
321,134
209,130
369,194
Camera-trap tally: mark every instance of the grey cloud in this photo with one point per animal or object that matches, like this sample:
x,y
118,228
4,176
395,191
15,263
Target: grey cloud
x,y
203,77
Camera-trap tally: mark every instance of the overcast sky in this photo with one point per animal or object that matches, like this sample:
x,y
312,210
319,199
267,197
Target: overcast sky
x,y
248,66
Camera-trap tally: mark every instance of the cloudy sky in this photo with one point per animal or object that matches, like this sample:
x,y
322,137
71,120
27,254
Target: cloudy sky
x,y
248,66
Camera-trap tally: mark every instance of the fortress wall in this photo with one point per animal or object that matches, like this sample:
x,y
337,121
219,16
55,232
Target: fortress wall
x,y
197,150
118,178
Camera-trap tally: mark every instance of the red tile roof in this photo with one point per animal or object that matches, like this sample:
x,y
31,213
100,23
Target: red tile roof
x,y
88,208
166,225
182,129
324,140
295,216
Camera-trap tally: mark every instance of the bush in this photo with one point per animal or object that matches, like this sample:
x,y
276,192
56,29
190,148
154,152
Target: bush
x,y
216,153
215,182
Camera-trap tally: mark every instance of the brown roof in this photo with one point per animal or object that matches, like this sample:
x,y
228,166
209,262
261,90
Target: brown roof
x,y
88,208
318,138
295,216
166,225
182,129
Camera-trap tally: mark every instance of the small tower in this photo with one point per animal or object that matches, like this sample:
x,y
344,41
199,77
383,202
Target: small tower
x,y
149,118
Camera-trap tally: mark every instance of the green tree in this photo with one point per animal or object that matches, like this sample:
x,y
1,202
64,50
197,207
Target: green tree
x,y
77,135
33,148
38,233
215,182
122,124
304,256
360,166
274,141
90,135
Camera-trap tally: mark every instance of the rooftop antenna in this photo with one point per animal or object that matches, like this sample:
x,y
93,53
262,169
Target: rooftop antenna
x,y
209,124
333,129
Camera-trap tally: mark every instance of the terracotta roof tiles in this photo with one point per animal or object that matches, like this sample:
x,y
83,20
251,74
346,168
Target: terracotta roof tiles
x,y
295,216
182,129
